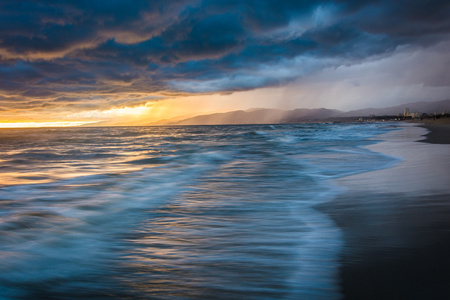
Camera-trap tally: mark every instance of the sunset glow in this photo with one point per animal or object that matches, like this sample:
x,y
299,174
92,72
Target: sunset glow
x,y
42,124
144,61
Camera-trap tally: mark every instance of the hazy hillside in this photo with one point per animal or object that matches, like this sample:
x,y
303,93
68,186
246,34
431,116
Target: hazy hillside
x,y
261,116
273,116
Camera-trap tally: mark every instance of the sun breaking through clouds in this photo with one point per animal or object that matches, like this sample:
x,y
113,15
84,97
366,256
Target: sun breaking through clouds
x,y
65,60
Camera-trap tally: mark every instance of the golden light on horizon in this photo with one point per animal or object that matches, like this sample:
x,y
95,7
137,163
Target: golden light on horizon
x,y
43,124
128,111
100,115
145,114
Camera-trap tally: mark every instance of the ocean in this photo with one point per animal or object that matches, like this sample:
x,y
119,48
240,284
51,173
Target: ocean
x,y
193,212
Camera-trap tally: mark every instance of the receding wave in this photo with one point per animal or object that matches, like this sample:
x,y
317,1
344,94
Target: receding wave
x,y
198,212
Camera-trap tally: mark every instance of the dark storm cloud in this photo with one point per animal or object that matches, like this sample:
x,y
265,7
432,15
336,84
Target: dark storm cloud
x,y
49,26
57,50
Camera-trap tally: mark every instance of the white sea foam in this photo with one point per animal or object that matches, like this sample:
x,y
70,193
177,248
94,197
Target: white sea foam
x,y
177,212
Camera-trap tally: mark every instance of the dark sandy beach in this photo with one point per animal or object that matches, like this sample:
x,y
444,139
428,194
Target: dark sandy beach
x,y
397,226
438,130
397,246
439,133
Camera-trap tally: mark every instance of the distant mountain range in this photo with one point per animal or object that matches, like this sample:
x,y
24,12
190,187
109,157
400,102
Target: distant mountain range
x,y
259,116
274,116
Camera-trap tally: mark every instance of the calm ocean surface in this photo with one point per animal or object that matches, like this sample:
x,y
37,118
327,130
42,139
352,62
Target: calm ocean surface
x,y
196,212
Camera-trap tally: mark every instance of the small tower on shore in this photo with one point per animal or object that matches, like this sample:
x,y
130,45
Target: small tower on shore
x,y
406,112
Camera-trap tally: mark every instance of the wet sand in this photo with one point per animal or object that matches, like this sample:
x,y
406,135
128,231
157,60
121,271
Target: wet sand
x,y
439,130
396,246
439,133
396,222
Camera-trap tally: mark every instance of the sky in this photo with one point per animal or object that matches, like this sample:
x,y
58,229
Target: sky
x,y
135,62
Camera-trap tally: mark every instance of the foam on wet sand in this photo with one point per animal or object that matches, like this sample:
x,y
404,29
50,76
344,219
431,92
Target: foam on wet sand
x,y
396,222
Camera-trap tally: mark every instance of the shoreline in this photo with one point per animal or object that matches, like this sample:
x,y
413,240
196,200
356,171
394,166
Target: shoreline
x,y
438,130
396,221
438,133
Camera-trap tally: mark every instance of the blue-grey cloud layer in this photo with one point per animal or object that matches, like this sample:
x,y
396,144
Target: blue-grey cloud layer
x,y
56,53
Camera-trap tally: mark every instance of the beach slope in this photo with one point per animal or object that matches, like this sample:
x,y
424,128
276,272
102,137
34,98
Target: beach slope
x,y
396,221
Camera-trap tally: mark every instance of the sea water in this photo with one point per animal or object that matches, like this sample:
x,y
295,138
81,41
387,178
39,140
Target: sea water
x,y
193,212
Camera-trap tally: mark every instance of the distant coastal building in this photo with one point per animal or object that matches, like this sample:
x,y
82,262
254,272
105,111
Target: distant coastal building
x,y
407,113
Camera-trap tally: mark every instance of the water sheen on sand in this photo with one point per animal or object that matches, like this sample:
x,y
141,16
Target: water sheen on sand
x,y
222,212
